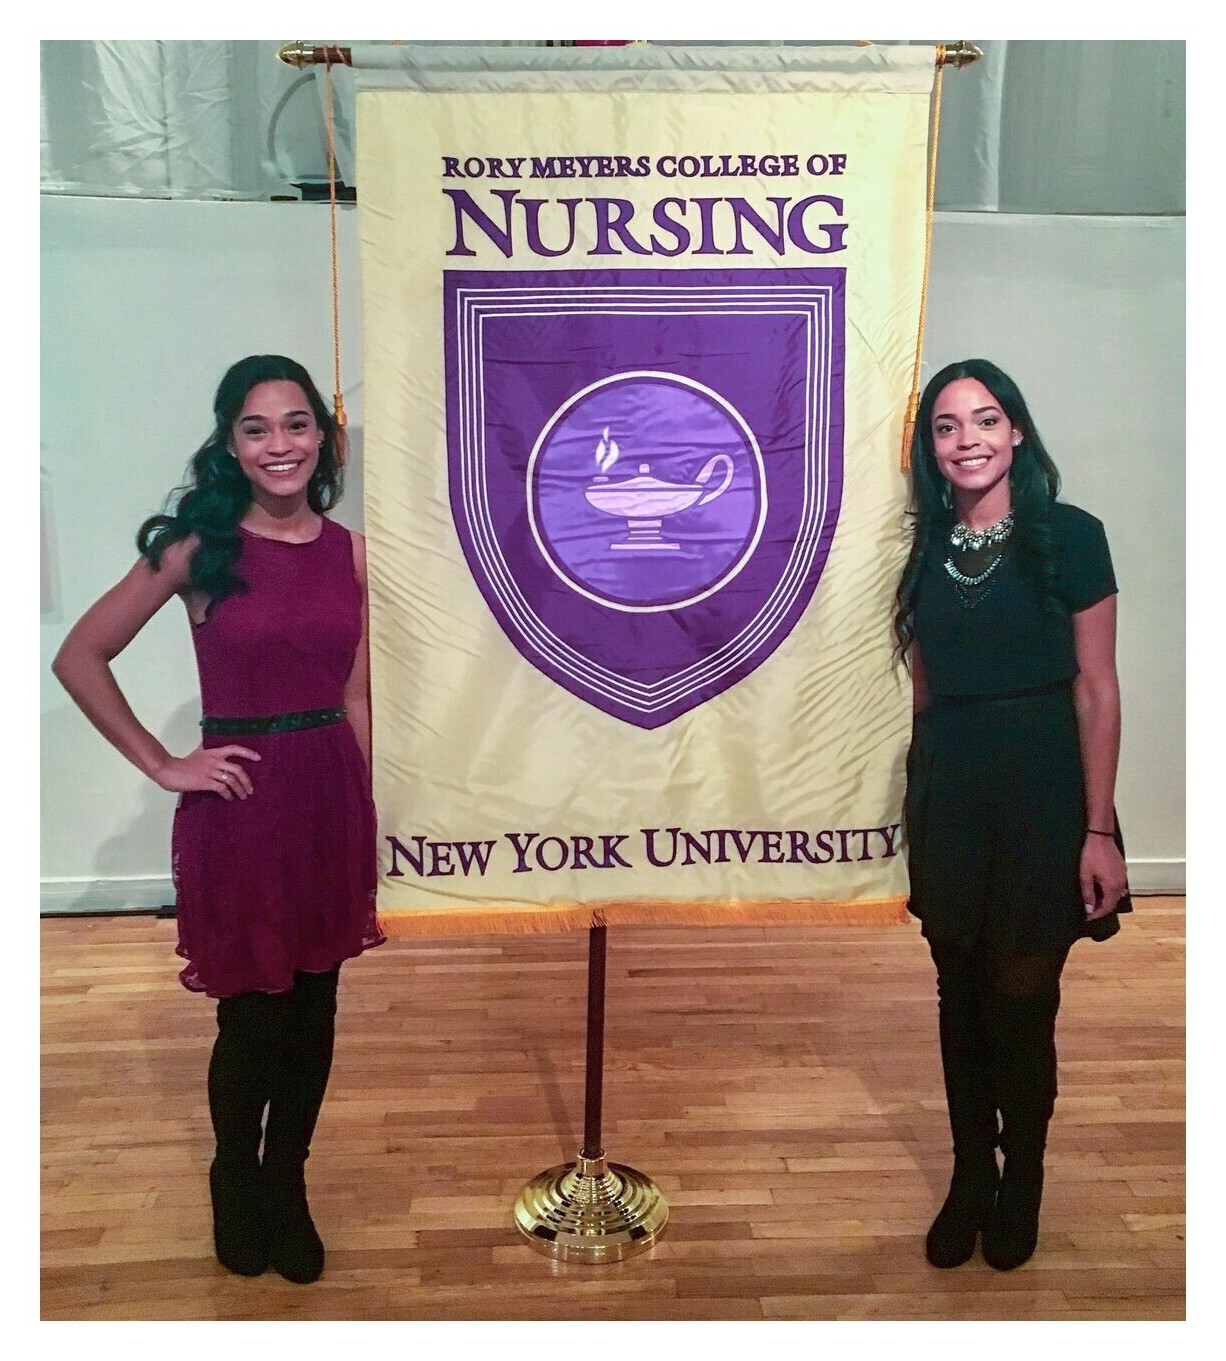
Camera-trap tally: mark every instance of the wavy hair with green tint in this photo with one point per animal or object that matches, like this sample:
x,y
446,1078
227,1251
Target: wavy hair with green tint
x,y
216,495
1034,484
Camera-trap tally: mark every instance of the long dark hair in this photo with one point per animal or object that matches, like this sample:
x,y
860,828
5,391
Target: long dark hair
x,y
1034,484
217,493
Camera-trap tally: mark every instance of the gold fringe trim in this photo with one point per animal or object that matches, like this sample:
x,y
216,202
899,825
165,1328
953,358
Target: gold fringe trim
x,y
517,919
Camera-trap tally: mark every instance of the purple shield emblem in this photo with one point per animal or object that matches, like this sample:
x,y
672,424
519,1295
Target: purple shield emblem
x,y
645,469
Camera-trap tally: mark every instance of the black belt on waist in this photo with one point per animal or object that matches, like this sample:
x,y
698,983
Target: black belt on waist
x,y
944,701
245,727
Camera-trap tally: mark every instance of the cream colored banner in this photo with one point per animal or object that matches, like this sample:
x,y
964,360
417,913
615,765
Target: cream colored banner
x,y
637,365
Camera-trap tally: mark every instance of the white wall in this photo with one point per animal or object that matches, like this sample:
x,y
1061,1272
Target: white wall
x,y
144,306
1087,314
146,303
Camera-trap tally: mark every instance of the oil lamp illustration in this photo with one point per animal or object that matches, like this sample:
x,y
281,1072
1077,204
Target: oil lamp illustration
x,y
645,501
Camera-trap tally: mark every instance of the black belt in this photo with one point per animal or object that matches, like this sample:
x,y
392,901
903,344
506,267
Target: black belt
x,y
246,727
952,701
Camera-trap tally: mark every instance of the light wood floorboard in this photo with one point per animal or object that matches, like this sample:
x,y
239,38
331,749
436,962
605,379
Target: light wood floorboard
x,y
781,1085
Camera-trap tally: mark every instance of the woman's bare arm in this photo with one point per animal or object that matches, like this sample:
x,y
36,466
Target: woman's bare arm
x,y
1096,695
83,668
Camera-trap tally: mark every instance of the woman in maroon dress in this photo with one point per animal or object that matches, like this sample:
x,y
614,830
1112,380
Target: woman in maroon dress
x,y
273,848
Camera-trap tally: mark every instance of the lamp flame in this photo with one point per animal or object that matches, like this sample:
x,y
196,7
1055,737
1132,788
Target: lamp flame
x,y
607,451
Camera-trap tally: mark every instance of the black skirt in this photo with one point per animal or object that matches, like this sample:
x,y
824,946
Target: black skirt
x,y
995,819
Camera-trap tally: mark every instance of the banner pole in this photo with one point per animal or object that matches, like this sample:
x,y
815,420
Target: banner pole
x,y
300,54
593,1142
592,1210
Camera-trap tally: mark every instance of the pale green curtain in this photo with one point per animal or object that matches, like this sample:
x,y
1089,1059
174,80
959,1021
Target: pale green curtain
x,y
1033,127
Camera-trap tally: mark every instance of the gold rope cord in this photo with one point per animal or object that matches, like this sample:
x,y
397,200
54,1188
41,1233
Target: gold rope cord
x,y
908,434
342,436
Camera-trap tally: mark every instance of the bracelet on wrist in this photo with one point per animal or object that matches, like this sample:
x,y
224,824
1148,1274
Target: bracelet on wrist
x,y
1093,831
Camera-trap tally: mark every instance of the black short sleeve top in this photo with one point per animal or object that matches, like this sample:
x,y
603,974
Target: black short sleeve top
x,y
1007,640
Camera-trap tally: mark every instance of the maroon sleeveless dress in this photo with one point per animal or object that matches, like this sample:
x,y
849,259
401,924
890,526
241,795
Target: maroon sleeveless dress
x,y
283,880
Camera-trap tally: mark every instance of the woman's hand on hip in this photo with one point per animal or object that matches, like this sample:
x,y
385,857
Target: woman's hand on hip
x,y
211,770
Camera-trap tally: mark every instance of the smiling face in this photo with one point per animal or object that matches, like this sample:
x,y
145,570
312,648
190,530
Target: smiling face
x,y
276,440
973,441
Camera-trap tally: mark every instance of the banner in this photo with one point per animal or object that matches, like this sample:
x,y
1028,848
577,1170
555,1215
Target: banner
x,y
637,360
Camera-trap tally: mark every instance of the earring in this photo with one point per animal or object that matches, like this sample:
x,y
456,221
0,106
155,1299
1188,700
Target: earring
x,y
1017,439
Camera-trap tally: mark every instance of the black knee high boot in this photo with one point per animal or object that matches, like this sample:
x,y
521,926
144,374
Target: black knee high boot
x,y
972,1116
239,1084
1023,1037
299,1083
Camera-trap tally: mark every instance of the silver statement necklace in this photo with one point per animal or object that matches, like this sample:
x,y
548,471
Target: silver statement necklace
x,y
971,540
963,580
972,587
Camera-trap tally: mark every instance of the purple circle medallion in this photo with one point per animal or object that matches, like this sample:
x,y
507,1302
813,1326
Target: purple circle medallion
x,y
646,492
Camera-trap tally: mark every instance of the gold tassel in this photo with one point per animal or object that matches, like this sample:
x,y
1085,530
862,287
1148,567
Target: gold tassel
x,y
342,431
908,429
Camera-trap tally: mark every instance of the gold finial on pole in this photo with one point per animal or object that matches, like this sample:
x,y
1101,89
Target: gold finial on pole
x,y
294,54
302,54
958,54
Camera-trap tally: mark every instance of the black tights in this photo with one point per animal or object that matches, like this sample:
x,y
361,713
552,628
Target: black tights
x,y
997,1014
272,1050
1010,975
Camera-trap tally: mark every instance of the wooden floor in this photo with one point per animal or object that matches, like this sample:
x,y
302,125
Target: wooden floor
x,y
781,1086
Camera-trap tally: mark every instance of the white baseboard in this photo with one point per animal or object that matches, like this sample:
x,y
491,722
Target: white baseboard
x,y
141,894
1158,877
149,892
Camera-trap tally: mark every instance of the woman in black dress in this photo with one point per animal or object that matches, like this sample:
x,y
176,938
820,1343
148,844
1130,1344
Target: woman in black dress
x,y
1006,617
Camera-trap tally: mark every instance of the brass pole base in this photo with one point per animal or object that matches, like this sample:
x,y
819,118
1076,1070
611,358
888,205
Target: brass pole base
x,y
591,1211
